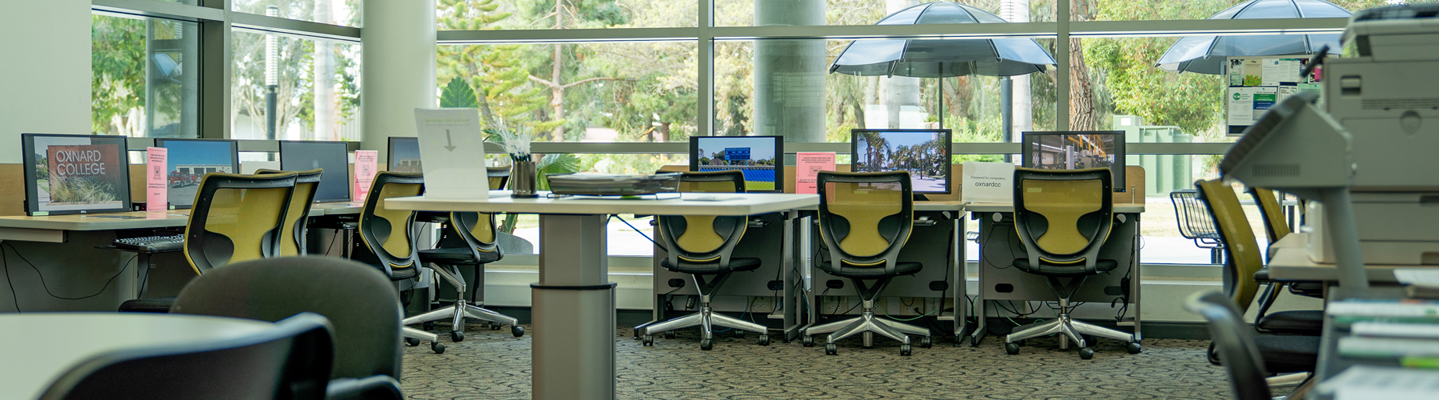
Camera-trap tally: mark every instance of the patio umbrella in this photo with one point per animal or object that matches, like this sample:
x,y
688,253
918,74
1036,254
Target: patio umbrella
x,y
1205,54
941,58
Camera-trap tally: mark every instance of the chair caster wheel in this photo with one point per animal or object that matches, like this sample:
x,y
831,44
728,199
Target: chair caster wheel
x,y
807,341
764,340
437,347
707,345
830,349
457,336
904,350
494,327
738,334
412,342
1011,348
516,330
647,341
1086,353
428,326
670,334
959,340
1134,348
926,342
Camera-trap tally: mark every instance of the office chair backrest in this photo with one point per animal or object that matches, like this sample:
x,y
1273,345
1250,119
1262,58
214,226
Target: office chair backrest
x,y
704,238
1242,250
358,300
297,215
1063,216
865,218
389,233
477,230
291,361
499,176
1232,341
237,218
1274,225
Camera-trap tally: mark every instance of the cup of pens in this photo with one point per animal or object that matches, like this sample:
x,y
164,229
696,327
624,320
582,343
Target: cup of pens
x,y
524,177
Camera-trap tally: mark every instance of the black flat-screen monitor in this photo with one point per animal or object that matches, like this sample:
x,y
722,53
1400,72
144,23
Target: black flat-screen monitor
x,y
75,174
1076,150
924,153
188,160
760,158
404,155
333,157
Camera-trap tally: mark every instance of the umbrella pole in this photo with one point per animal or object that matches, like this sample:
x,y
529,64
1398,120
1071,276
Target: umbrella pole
x,y
1006,111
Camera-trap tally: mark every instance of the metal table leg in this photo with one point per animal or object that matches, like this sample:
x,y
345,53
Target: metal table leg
x,y
573,311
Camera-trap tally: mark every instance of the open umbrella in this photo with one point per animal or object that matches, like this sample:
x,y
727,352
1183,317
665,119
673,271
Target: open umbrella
x,y
1205,54
941,58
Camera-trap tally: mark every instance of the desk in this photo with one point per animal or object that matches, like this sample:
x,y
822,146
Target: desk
x,y
1291,262
41,347
573,303
997,281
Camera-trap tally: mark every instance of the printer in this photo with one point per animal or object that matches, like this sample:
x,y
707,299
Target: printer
x,y
1385,92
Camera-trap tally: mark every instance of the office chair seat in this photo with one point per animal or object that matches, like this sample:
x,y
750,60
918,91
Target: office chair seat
x,y
1285,354
900,268
1077,269
400,274
155,305
1306,322
735,265
456,256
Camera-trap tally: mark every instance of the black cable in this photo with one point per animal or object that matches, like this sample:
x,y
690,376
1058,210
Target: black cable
x,y
47,287
144,281
332,241
637,230
13,296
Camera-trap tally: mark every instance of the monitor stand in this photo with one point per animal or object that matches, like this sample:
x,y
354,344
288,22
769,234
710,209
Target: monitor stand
x,y
920,197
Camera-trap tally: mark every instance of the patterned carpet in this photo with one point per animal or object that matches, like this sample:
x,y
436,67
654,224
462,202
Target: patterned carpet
x,y
495,365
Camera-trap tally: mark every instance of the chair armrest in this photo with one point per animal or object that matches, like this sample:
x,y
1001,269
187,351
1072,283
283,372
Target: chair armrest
x,y
378,387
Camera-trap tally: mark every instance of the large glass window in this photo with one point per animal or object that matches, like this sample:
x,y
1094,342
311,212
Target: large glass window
x,y
564,14
333,12
859,12
1130,10
143,82
314,84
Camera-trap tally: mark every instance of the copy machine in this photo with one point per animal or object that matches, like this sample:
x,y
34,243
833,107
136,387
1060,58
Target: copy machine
x,y
1385,92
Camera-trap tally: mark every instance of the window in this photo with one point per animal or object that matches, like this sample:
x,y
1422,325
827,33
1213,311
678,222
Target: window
x,y
575,14
333,12
315,84
857,12
143,82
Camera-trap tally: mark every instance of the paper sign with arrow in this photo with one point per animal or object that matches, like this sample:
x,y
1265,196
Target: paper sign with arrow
x,y
452,152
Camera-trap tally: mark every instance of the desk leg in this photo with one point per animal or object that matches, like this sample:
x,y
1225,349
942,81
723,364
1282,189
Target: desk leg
x,y
1134,280
957,279
573,311
790,253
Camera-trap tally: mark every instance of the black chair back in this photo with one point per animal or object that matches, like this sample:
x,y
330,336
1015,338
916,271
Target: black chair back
x,y
865,218
703,238
297,216
389,234
1063,217
237,218
1232,340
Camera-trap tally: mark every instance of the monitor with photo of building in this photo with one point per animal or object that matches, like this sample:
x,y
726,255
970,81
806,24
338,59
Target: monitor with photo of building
x,y
75,174
1076,150
188,160
404,155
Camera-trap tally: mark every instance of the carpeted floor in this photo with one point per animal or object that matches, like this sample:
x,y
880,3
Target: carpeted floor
x,y
495,365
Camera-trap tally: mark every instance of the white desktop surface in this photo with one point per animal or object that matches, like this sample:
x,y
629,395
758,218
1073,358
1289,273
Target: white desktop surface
x,y
41,347
1291,262
725,204
1123,208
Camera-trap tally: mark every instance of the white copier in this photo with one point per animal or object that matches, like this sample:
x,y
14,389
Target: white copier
x,y
1385,92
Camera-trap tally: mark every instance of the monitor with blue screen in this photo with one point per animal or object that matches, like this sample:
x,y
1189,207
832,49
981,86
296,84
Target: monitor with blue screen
x,y
75,174
404,155
188,160
924,153
760,158
332,157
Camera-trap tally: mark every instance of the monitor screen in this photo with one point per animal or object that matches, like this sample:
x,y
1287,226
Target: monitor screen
x,y
404,155
1076,150
924,153
188,160
73,174
761,158
333,157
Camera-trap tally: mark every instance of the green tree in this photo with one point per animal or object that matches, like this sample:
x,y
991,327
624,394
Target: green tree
x,y
117,84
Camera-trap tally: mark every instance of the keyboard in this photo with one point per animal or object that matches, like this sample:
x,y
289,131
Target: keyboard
x,y
152,244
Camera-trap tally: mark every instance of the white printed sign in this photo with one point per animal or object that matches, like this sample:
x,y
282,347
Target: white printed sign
x,y
452,153
988,182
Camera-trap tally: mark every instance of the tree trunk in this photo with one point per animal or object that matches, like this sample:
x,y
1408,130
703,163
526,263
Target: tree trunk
x,y
1082,115
557,88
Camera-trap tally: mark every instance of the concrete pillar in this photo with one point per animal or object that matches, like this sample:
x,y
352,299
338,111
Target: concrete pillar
x,y
900,92
1022,100
399,73
789,74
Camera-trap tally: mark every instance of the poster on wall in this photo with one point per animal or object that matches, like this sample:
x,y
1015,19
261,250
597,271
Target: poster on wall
x,y
1256,83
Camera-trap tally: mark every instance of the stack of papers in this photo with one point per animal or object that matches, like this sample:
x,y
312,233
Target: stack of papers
x,y
1390,383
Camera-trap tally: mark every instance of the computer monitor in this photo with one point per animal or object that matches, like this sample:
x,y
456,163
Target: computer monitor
x,y
404,154
333,157
1077,150
760,158
924,153
188,161
75,174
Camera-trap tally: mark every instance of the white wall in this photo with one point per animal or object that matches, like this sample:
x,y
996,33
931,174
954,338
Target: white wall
x,y
44,71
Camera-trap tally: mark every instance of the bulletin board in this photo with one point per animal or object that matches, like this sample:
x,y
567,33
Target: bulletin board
x,y
1257,83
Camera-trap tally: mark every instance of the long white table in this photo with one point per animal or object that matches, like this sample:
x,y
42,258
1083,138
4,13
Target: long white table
x,y
573,303
40,347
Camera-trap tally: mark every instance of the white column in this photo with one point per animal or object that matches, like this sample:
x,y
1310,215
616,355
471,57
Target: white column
x,y
1018,11
398,76
789,74
45,78
900,92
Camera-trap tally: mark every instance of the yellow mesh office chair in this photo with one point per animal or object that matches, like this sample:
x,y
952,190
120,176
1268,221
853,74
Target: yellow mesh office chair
x,y
703,245
297,216
468,239
864,221
389,235
237,218
1293,345
1276,228
1063,218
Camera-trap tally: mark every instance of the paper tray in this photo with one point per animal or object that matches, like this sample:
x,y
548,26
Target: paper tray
x,y
613,185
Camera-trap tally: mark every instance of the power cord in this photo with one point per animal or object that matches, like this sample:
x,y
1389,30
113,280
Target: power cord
x,y
13,297
43,284
637,230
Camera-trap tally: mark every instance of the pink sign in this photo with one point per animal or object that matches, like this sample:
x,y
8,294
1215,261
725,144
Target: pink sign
x,y
365,161
156,185
807,167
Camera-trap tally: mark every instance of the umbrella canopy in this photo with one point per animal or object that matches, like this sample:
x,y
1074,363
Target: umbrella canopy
x,y
1205,54
939,58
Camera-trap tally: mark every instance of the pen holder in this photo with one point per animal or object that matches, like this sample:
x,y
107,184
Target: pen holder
x,y
523,179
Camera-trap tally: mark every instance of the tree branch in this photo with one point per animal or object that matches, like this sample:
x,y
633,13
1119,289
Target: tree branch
x,y
583,81
544,82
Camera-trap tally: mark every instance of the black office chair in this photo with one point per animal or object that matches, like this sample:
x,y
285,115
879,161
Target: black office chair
x,y
1063,218
297,216
864,221
291,361
358,301
1233,343
703,246
468,240
389,236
